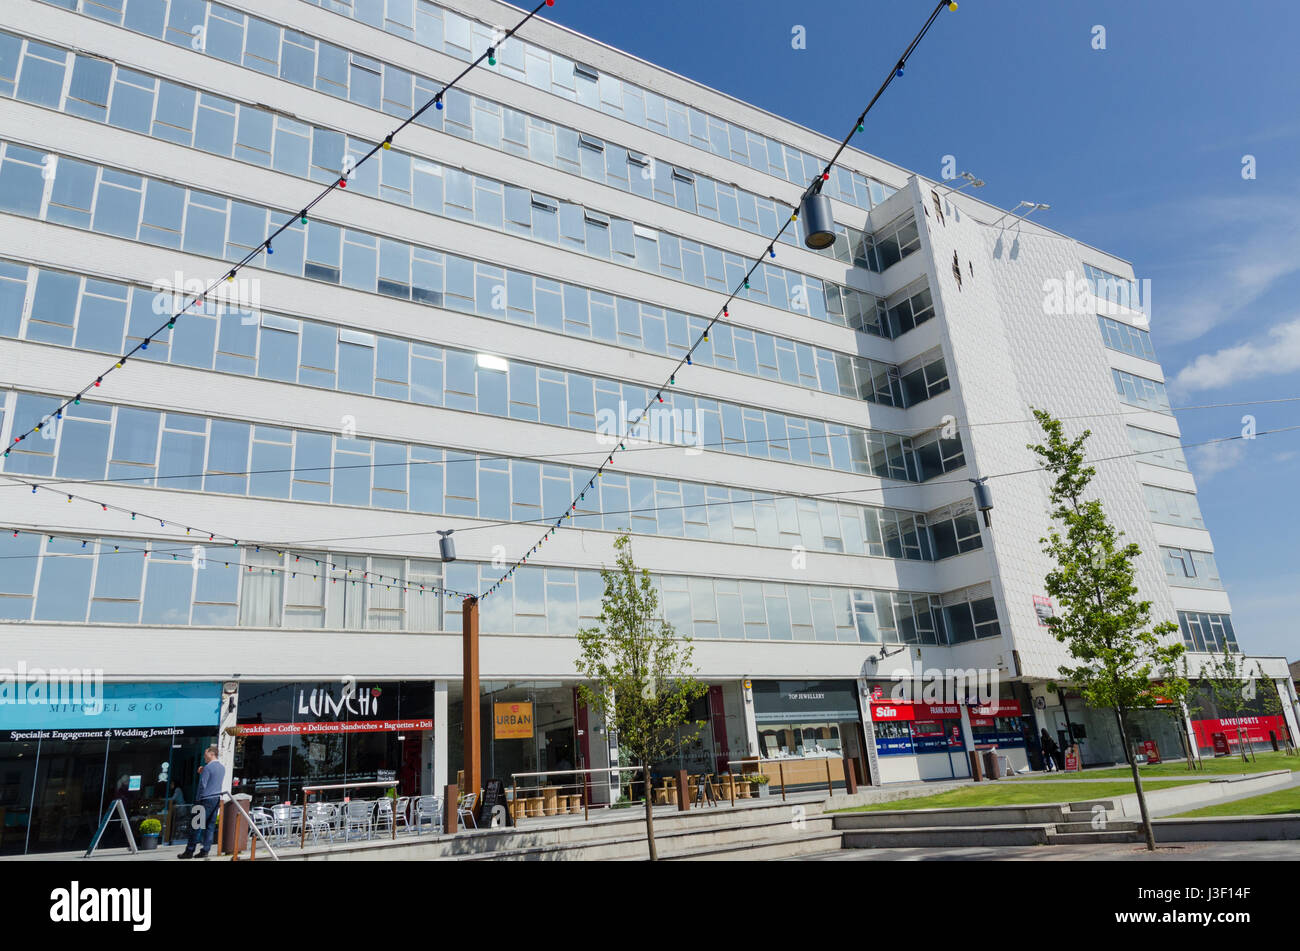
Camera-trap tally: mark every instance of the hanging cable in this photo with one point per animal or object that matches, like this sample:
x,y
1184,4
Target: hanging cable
x,y
266,245
769,252
283,548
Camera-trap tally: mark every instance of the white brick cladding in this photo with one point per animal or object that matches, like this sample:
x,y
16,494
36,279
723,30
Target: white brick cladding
x,y
1007,357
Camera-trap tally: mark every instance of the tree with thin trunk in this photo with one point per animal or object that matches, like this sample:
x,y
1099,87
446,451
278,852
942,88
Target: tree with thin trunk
x,y
639,674
1234,693
1103,625
1174,688
1270,701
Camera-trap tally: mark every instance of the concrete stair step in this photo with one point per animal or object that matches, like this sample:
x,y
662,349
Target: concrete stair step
x,y
670,843
1093,838
812,843
947,836
1112,825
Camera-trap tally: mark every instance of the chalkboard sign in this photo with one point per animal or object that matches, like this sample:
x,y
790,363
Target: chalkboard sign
x,y
494,795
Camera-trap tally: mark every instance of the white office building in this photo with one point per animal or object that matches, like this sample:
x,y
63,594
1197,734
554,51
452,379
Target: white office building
x,y
455,341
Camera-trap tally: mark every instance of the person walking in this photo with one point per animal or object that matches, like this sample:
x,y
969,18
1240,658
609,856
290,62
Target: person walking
x,y
212,776
1049,751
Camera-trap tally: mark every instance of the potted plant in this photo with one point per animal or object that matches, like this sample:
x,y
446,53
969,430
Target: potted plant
x,y
150,834
759,781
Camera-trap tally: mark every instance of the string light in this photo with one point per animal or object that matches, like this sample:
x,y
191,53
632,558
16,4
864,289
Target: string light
x,y
341,182
824,176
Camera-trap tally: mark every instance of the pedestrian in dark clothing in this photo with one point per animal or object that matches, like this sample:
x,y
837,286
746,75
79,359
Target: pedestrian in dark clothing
x,y
212,776
1050,750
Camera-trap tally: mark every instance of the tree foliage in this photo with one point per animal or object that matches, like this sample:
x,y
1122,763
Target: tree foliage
x,y
1103,624
638,672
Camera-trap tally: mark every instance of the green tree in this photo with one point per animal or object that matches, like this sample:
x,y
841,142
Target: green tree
x,y
1270,700
1103,625
1175,686
639,673
1233,691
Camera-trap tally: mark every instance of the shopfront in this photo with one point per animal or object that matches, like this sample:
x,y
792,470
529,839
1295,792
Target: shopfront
x,y
810,719
63,764
918,740
316,733
1001,725
528,726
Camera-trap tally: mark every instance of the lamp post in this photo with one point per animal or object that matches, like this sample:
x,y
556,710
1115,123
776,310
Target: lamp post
x,y
970,182
1033,206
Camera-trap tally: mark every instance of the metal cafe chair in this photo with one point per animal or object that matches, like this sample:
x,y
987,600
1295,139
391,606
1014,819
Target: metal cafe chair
x,y
465,808
321,817
358,814
384,817
403,815
428,809
283,826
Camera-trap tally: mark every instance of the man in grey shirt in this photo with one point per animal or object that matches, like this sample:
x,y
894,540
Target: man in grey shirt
x,y
212,776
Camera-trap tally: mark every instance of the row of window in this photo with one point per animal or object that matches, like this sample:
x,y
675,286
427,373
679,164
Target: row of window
x,y
1173,507
1207,632
1126,338
1140,391
98,89
143,447
257,44
114,581
108,316
439,28
1187,568
315,354
1158,449
66,191
295,148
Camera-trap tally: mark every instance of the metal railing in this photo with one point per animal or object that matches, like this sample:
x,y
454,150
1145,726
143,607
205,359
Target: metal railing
x,y
245,816
542,799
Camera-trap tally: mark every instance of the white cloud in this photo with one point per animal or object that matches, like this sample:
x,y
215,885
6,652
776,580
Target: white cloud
x,y
1276,353
1211,459
1235,251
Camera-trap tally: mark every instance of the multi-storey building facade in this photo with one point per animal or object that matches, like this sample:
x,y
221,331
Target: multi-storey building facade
x,y
454,342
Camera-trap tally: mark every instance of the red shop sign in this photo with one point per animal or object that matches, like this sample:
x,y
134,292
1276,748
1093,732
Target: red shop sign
x,y
892,711
915,711
998,708
347,726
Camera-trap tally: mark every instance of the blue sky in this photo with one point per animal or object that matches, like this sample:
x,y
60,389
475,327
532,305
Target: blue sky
x,y
1139,150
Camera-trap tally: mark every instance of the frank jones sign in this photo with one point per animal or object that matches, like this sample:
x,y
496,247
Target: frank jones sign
x,y
513,720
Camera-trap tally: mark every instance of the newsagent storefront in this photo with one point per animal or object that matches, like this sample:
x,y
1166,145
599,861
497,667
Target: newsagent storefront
x,y
63,764
321,733
919,741
1005,726
922,741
